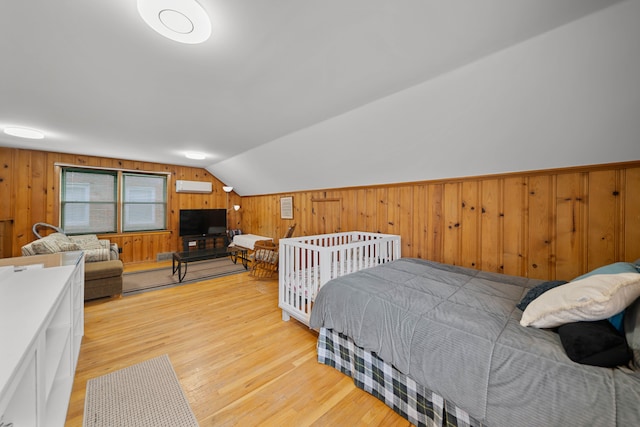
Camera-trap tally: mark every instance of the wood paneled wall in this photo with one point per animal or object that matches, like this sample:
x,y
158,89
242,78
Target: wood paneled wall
x,y
554,224
29,193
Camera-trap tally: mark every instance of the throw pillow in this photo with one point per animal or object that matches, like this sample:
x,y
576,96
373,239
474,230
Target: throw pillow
x,y
68,246
632,330
49,244
538,290
594,343
87,241
615,268
616,320
593,298
270,257
41,247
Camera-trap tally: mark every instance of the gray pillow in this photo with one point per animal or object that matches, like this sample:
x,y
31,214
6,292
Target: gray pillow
x,y
632,330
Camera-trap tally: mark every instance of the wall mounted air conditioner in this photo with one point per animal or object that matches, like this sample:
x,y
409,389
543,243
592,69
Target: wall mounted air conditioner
x,y
192,187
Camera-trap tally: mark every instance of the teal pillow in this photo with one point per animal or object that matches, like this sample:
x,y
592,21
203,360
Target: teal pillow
x,y
615,268
617,320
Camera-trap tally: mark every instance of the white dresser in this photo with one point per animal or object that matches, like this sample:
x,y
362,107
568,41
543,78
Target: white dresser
x,y
41,329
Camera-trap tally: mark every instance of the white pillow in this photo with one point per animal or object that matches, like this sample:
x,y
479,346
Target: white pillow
x,y
592,298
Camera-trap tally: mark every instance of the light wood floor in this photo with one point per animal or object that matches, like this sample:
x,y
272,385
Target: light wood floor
x,y
237,361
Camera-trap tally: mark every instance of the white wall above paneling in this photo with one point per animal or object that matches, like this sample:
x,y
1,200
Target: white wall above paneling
x,y
565,98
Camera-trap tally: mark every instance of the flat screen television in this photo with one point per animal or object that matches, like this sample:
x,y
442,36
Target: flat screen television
x,y
202,222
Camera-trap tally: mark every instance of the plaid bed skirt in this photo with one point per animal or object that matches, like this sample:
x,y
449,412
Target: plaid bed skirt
x,y
410,400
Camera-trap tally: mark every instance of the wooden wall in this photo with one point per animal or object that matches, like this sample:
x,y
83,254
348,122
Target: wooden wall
x,y
29,193
553,224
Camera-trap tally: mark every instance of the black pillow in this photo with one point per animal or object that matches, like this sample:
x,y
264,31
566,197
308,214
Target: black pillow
x,y
596,343
537,291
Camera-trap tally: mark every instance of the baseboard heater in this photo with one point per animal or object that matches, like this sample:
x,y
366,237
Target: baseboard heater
x,y
193,186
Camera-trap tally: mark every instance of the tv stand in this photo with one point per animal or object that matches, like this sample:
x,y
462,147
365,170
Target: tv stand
x,y
200,248
207,241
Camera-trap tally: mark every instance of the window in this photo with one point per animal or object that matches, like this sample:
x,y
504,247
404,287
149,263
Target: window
x,y
144,202
91,202
88,201
77,213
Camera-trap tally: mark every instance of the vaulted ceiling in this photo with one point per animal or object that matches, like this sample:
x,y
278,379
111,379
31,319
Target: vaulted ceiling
x,y
98,81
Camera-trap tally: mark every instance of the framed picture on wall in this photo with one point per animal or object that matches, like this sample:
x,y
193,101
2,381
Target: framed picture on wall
x,y
286,207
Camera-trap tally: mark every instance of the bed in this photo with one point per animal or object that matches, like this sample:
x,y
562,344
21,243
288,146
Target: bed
x,y
306,263
444,345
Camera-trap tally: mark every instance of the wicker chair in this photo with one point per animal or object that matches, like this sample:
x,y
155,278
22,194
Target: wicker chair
x,y
266,256
265,259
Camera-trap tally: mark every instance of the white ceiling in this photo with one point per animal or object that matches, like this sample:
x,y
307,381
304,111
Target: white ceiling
x,y
98,81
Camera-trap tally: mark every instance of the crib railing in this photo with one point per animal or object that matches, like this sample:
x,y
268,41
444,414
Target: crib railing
x,y
308,262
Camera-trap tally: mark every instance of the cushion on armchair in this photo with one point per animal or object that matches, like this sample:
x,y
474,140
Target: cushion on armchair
x,y
266,255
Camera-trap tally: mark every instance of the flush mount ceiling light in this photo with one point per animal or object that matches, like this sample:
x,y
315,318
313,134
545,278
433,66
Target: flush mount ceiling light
x,y
184,21
194,155
24,132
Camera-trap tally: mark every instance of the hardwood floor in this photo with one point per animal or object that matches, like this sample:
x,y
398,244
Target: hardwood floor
x,y
237,361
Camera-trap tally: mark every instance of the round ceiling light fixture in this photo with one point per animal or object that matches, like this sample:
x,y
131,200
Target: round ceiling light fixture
x,y
184,21
23,132
195,155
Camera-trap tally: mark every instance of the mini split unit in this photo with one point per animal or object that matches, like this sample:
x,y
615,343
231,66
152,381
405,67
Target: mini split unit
x,y
193,187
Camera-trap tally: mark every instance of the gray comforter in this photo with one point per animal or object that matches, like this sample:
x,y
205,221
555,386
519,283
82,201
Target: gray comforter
x,y
456,331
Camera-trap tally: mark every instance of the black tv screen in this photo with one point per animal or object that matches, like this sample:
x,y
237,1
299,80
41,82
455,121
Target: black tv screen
x,y
202,222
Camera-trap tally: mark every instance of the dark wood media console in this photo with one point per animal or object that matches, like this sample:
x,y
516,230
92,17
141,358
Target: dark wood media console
x,y
200,248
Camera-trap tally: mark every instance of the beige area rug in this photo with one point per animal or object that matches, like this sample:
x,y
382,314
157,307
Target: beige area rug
x,y
144,395
139,281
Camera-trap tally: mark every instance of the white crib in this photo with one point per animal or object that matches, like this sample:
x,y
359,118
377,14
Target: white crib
x,y
308,262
